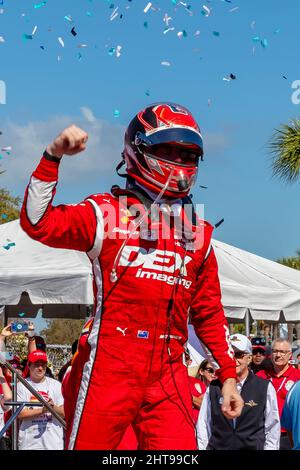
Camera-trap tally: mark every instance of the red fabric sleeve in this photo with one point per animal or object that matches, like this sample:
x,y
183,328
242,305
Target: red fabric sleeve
x,y
64,226
208,318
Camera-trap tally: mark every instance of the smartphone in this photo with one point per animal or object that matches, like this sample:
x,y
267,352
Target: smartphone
x,y
19,327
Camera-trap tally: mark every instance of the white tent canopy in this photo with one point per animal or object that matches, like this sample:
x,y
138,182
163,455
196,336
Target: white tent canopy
x,y
255,284
61,280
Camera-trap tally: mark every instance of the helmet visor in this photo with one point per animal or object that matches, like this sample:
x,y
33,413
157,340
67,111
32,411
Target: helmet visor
x,y
177,136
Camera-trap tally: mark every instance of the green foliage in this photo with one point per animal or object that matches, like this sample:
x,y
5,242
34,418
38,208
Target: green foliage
x,y
292,262
285,151
62,331
9,206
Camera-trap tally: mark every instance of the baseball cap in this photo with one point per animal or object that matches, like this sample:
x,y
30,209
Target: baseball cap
x,y
241,343
257,347
37,355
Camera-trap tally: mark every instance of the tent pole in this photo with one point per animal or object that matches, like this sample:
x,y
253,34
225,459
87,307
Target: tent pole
x,y
247,322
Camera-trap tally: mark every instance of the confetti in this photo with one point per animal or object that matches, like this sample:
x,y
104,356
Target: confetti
x,y
147,93
216,33
206,11
256,39
79,56
277,31
39,5
219,223
22,314
8,246
73,32
34,31
88,13
145,24
111,51
2,39
114,14
6,149
264,43
284,77
233,9
165,62
182,34
252,24
82,45
27,37
116,113
166,30
68,18
166,19
118,51
147,7
61,41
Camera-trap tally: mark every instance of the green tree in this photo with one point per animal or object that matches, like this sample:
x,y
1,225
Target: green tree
x,y
62,331
292,262
9,206
284,147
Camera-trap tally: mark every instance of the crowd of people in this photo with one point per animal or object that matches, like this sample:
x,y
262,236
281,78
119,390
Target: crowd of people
x,y
268,381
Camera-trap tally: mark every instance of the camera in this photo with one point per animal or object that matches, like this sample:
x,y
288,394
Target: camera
x,y
19,327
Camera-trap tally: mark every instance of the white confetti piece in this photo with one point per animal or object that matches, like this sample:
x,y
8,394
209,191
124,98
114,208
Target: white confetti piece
x,y
207,11
166,63
147,7
34,30
82,45
252,24
58,58
118,51
165,31
2,39
233,9
114,14
166,19
61,41
6,149
68,18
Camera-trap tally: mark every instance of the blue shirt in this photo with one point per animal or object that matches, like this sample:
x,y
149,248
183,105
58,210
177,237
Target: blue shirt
x,y
290,418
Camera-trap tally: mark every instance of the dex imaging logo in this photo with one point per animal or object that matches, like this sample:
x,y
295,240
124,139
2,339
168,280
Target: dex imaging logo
x,y
296,95
2,92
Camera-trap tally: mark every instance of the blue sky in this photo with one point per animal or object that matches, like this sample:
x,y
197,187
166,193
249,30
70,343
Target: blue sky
x,y
50,87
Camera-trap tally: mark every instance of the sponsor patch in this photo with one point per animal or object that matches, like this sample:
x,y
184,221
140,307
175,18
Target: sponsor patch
x,y
143,334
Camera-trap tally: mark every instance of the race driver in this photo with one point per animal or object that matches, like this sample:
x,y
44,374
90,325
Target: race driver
x,y
153,268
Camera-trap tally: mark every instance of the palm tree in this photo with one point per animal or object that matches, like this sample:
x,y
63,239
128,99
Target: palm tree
x,y
285,150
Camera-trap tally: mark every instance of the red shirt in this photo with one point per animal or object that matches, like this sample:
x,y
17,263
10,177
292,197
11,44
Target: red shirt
x,y
197,388
281,384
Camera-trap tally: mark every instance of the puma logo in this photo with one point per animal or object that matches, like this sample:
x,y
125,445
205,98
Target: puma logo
x,y
122,331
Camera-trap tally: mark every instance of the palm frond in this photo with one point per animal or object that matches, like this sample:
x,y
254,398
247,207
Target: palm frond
x,y
284,148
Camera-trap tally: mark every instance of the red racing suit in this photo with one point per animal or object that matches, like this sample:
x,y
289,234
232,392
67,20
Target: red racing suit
x,y
129,368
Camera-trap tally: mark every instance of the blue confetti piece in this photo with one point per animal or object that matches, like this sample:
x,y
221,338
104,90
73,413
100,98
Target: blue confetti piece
x,y
39,5
22,314
88,13
147,93
216,33
8,246
111,51
256,39
264,43
26,37
116,113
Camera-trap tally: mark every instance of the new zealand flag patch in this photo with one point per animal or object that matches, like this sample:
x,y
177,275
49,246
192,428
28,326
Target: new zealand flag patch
x,y
143,334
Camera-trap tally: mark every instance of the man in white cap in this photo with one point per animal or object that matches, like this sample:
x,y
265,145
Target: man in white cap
x,y
258,427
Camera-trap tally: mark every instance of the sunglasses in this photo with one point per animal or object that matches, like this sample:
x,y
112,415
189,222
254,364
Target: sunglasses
x,y
240,354
210,370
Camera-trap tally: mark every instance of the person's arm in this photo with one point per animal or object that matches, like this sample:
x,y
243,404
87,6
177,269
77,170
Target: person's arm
x,y
31,346
203,427
272,421
197,401
5,333
208,318
65,226
6,391
28,413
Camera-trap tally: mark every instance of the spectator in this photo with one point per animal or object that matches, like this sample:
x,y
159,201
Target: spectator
x,y
5,395
197,388
64,368
39,429
290,418
206,372
258,427
35,343
283,376
258,355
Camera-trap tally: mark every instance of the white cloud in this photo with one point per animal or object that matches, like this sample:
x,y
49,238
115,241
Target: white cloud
x,y
29,140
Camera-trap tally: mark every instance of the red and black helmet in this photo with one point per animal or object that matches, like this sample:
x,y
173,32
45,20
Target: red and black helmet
x,y
153,134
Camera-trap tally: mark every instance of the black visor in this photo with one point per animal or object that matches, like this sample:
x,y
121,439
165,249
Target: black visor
x,y
172,136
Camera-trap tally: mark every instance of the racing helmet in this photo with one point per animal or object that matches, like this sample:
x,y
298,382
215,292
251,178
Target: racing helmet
x,y
162,147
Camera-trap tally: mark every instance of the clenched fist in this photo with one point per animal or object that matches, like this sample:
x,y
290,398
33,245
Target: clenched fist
x,y
70,141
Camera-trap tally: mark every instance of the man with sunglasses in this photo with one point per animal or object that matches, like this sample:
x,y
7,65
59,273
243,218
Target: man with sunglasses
x,y
283,376
258,427
153,267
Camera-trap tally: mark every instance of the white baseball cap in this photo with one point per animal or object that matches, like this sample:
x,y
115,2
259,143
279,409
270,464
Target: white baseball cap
x,y
241,343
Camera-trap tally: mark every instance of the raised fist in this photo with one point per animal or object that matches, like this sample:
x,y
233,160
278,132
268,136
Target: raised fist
x,y
70,141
